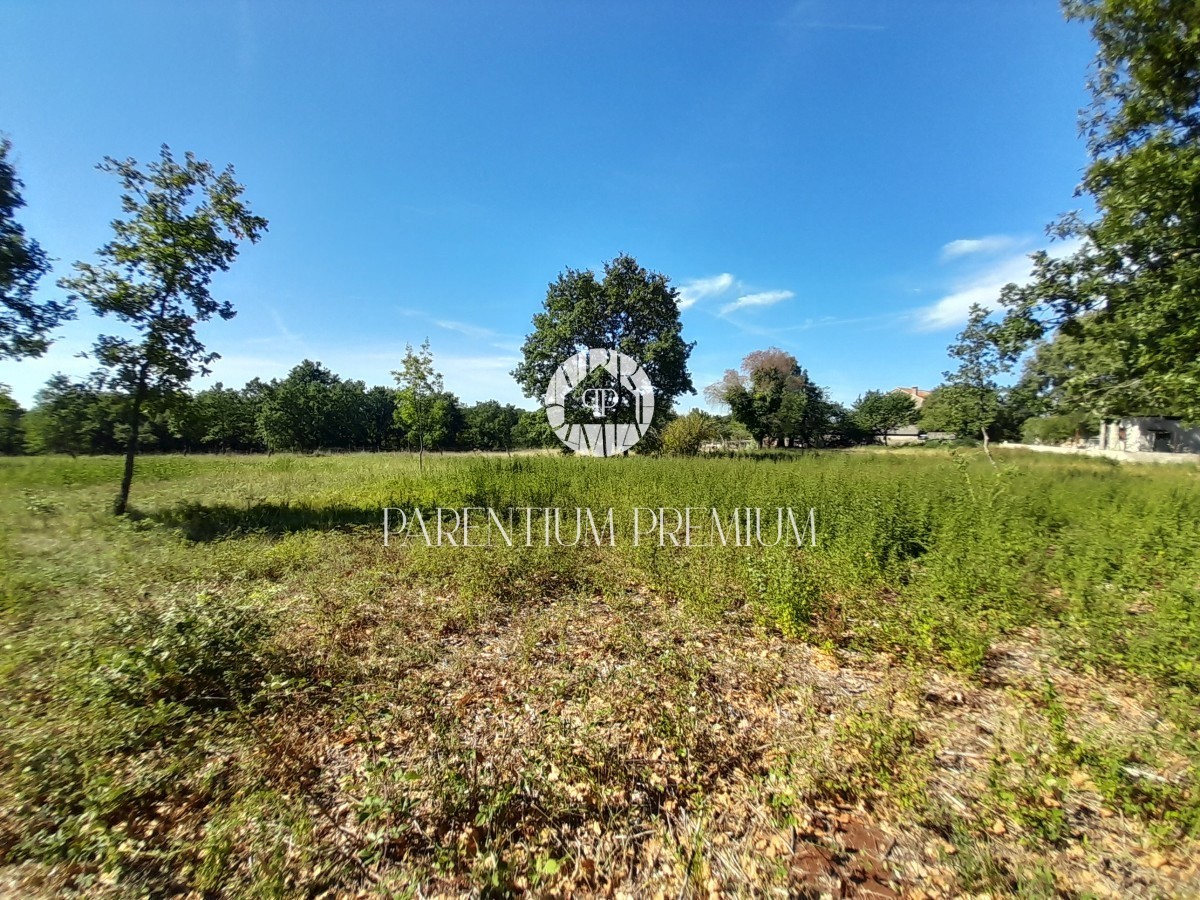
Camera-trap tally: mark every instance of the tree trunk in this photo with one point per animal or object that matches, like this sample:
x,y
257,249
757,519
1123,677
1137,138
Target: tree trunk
x,y
986,450
122,502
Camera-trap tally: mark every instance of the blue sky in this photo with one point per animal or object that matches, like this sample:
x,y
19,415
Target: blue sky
x,y
840,178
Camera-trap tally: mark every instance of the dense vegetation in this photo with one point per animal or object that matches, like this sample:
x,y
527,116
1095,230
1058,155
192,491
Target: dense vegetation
x,y
239,689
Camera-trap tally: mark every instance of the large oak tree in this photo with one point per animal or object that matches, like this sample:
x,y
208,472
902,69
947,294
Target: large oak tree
x,y
631,310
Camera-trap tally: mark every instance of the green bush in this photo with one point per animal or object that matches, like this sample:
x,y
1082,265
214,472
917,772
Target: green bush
x,y
685,435
204,652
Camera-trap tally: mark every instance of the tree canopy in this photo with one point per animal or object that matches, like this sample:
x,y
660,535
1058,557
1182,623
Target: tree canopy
x,y
773,397
1128,291
24,323
878,412
631,310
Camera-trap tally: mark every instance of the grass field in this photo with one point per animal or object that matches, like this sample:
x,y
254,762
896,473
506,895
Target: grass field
x,y
979,681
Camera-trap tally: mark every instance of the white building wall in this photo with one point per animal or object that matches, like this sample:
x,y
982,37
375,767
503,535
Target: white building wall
x,y
1149,434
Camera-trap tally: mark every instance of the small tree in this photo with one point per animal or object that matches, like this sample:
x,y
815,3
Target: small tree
x,y
961,409
183,224
971,399
24,324
685,435
419,386
880,413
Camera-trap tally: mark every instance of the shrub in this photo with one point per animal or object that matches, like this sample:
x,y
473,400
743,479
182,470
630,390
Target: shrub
x,y
206,652
685,435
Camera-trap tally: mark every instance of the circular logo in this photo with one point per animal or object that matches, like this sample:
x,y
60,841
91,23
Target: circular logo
x,y
628,394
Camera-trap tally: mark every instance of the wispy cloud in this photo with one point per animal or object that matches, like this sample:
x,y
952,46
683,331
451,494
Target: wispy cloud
x,y
982,286
762,298
995,243
838,26
810,14
471,331
690,292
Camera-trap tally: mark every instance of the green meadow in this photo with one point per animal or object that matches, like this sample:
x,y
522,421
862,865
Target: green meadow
x,y
973,679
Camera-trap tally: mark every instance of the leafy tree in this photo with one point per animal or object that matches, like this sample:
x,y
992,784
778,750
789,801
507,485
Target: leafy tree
x,y
970,401
879,413
183,224
843,429
1071,372
961,409
67,418
488,425
24,324
434,422
379,413
532,431
630,310
685,435
774,399
418,409
228,418
298,413
183,424
1128,293
12,435
347,427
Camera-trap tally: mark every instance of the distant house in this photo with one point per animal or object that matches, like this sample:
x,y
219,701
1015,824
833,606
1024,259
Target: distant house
x,y
918,396
907,434
1148,434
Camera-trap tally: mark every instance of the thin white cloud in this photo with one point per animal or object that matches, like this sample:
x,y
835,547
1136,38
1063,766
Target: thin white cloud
x,y
983,287
701,288
762,298
994,243
471,331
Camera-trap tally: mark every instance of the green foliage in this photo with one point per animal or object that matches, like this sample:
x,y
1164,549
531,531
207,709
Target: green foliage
x,y
960,409
69,418
227,419
24,323
684,435
1125,295
184,224
631,310
532,431
1058,429
970,402
312,408
12,433
879,413
774,399
425,412
204,652
488,425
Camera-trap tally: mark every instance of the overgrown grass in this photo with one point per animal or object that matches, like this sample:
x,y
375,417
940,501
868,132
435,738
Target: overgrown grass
x,y
238,689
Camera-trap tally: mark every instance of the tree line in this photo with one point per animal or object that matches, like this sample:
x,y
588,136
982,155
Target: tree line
x,y
311,409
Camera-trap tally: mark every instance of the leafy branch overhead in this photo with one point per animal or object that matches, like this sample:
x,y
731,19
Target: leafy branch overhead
x,y
24,323
1128,292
